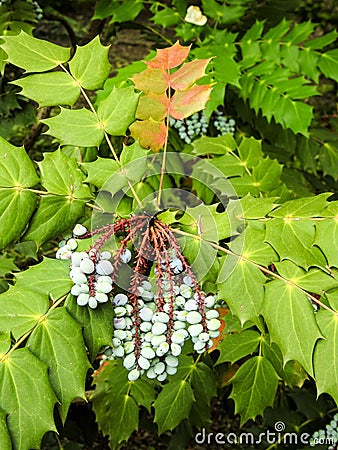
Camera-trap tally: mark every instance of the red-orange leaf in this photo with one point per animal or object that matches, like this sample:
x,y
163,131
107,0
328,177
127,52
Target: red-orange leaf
x,y
188,74
150,133
185,103
154,106
170,57
151,80
227,374
216,341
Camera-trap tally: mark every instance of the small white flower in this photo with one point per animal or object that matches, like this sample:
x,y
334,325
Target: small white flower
x,y
194,15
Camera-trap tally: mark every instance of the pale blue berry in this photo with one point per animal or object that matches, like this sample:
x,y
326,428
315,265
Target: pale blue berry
x,y
87,266
156,340
92,302
133,375
120,311
213,324
195,330
125,256
143,363
162,377
193,317
79,230
171,361
105,255
212,314
159,328
146,314
120,299
159,368
148,353
82,299
176,349
104,267
129,361
101,297
104,287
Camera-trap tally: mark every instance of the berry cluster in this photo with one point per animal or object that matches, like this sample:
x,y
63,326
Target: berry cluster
x,y
91,272
222,124
151,323
162,333
36,7
194,126
327,436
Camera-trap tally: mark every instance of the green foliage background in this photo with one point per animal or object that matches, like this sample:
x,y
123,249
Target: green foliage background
x,y
274,251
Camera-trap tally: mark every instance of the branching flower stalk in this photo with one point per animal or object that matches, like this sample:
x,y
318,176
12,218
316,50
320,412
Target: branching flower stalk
x,y
164,305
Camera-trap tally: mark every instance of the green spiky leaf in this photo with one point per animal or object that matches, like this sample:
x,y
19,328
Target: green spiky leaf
x,y
49,89
79,127
68,363
90,66
24,383
254,387
32,54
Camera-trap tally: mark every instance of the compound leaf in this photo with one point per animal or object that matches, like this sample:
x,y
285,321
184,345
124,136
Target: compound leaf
x,y
100,171
97,324
328,64
240,284
143,392
38,278
151,81
325,228
185,103
151,134
293,239
4,433
170,57
304,207
203,383
188,74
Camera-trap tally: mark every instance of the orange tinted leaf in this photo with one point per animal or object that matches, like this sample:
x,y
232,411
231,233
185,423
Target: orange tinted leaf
x,y
216,341
151,81
170,57
188,74
154,106
150,133
185,103
226,375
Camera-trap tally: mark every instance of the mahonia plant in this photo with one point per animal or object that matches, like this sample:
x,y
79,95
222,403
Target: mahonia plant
x,y
278,259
